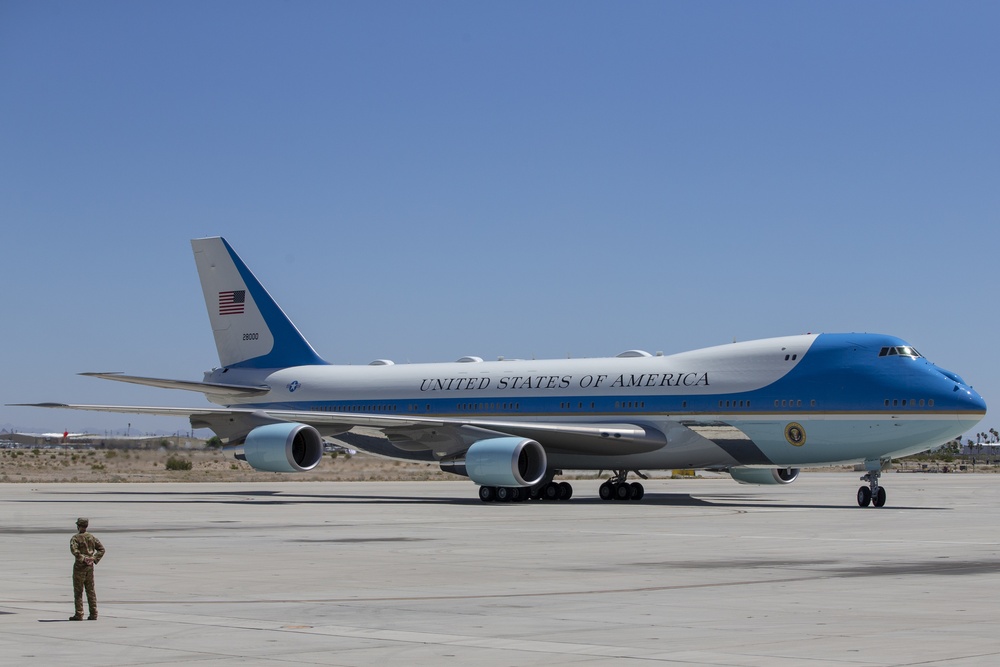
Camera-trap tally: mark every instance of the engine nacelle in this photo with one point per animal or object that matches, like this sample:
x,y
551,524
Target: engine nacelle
x,y
281,448
506,462
764,475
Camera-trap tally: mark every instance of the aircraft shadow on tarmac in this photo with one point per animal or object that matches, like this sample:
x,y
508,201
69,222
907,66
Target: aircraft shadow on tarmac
x,y
840,569
265,497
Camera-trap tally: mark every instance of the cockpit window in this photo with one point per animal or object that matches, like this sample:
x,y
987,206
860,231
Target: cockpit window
x,y
899,350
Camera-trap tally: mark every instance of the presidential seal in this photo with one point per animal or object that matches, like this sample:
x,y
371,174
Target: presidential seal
x,y
795,434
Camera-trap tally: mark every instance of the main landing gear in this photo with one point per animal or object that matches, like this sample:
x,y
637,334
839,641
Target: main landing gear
x,y
617,488
515,494
873,493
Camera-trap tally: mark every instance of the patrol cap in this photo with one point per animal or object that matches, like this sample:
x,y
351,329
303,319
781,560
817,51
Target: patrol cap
x,y
82,521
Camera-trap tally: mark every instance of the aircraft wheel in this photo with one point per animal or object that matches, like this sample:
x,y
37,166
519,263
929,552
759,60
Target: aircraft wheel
x,y
565,491
551,491
622,491
864,496
503,494
487,494
879,499
636,491
516,494
606,492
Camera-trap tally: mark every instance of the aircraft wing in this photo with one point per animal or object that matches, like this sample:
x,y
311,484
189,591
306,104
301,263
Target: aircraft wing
x,y
443,436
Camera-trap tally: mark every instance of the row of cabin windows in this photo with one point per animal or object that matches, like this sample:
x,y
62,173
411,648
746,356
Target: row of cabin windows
x,y
619,405
479,407
358,408
469,407
913,403
793,403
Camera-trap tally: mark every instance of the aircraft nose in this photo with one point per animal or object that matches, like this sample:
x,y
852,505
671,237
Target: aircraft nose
x,y
977,401
965,394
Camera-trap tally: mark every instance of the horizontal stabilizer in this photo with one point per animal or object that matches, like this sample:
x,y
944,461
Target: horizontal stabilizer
x,y
163,411
204,387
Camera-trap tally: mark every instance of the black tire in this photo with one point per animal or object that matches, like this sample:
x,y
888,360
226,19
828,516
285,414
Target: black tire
x,y
606,492
623,491
551,491
636,491
565,491
879,499
487,494
864,496
504,494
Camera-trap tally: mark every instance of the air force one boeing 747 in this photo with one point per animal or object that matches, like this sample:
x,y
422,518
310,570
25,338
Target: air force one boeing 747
x,y
759,410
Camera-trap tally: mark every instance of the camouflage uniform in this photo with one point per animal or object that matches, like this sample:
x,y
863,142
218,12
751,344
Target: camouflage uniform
x,y
87,551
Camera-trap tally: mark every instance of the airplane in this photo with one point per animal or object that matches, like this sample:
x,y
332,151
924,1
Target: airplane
x,y
50,438
759,410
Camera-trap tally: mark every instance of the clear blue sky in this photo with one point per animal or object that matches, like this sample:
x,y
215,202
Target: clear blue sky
x,y
422,181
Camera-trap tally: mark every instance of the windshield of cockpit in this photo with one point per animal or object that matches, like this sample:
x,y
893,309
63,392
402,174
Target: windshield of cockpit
x,y
900,351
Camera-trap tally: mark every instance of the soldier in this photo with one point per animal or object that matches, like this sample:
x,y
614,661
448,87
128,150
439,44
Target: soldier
x,y
88,551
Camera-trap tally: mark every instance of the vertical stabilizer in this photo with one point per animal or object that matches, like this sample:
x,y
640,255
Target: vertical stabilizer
x,y
251,330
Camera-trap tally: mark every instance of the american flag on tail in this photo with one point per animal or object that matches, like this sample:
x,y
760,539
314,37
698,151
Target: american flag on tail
x,y
232,302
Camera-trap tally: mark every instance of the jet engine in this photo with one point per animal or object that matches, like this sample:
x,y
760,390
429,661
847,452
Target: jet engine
x,y
764,475
281,448
506,462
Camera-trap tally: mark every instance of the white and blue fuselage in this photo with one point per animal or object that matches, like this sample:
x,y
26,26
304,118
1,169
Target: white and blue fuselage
x,y
845,396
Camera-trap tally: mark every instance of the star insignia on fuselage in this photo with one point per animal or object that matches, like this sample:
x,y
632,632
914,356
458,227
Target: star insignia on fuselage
x,y
293,385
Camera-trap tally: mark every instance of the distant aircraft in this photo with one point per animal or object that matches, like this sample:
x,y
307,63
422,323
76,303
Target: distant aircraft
x,y
759,410
51,438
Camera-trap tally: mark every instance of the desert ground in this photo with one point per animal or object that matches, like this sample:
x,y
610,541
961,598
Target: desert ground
x,y
81,464
103,465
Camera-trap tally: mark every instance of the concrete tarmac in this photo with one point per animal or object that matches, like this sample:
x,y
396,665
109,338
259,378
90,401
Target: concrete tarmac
x,y
700,572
